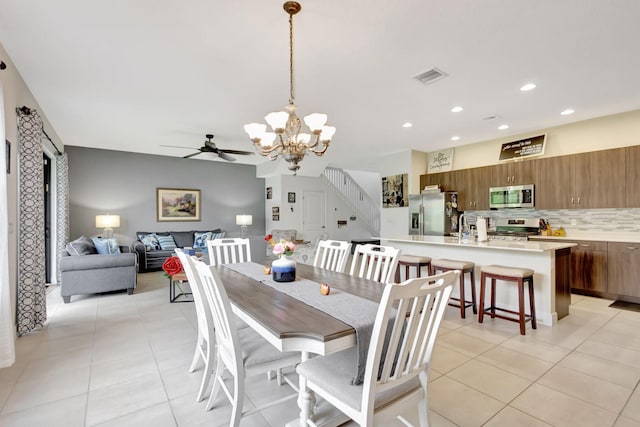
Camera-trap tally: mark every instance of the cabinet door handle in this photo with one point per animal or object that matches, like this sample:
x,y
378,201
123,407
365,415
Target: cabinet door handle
x,y
513,179
470,204
584,245
508,180
571,202
632,248
578,200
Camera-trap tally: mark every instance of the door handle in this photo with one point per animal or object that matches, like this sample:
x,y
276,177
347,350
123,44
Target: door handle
x,y
571,202
578,200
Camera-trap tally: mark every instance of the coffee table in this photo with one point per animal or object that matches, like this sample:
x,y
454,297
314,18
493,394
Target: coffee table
x,y
175,281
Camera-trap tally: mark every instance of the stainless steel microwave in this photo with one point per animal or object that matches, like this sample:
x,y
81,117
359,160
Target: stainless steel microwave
x,y
514,196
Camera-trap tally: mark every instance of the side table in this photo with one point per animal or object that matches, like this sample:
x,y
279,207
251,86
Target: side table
x,y
175,281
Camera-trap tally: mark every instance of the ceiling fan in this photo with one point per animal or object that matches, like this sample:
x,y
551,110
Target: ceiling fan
x,y
210,147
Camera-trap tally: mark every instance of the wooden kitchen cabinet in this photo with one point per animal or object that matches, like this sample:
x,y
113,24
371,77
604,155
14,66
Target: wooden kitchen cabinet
x,y
554,182
513,173
589,266
632,173
599,180
473,191
623,270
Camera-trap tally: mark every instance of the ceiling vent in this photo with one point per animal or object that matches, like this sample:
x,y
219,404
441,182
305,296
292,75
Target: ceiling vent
x,y
431,76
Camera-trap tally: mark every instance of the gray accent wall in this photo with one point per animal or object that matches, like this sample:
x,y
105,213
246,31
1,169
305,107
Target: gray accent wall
x,y
123,183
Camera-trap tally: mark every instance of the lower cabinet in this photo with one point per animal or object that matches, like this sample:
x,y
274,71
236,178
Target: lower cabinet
x,y
589,266
623,270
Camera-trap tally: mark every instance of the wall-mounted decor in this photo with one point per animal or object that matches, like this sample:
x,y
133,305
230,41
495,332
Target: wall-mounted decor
x,y
275,213
269,193
395,191
440,161
291,197
7,148
178,204
523,148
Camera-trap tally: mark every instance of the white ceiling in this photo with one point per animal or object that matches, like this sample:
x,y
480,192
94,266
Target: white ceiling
x,y
135,75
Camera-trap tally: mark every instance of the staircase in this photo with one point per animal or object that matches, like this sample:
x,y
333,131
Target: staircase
x,y
355,197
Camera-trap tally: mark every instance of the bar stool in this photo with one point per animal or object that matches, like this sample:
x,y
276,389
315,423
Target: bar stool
x,y
412,261
465,267
509,274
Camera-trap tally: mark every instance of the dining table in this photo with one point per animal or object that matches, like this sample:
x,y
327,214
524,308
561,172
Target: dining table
x,y
292,325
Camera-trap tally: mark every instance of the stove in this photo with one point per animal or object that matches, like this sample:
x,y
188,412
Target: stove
x,y
515,228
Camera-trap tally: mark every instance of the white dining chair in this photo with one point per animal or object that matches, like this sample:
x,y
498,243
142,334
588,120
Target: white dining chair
x,y
242,353
375,262
205,344
229,251
332,255
396,373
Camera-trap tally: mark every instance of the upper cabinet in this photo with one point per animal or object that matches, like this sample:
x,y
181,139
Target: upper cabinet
x,y
632,157
599,180
513,173
474,194
554,181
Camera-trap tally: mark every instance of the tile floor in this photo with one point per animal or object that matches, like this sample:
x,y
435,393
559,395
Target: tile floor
x,y
120,360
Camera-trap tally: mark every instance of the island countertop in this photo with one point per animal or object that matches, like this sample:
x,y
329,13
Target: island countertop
x,y
510,245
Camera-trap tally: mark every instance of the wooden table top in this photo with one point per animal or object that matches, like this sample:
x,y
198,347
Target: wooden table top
x,y
286,317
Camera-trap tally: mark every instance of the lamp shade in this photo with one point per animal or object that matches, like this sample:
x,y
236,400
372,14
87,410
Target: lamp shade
x,y
107,221
244,219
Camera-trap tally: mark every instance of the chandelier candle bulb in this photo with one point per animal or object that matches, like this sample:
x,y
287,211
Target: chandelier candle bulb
x,y
286,139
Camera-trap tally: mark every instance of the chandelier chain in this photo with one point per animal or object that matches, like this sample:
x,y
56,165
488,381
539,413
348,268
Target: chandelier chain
x,y
292,97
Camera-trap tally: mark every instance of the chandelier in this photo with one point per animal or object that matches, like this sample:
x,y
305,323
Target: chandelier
x,y
286,140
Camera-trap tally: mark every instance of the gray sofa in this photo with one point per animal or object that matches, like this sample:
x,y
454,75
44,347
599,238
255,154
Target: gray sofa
x,y
89,274
152,259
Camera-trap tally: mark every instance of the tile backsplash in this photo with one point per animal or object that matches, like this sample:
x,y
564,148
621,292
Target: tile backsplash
x,y
585,220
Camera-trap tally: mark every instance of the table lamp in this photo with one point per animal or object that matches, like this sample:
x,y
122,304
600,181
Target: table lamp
x,y
243,221
107,222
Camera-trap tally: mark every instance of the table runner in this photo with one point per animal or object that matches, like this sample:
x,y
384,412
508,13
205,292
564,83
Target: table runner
x,y
357,312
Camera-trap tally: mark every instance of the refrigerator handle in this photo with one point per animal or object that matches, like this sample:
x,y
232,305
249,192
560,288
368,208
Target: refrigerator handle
x,y
421,220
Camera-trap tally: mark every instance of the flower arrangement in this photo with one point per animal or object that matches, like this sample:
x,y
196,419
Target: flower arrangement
x,y
282,247
171,266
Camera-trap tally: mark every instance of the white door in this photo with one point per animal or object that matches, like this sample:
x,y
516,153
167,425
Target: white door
x,y
314,214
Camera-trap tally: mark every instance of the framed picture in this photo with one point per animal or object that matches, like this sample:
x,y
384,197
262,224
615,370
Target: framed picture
x,y
178,204
395,191
269,193
291,197
7,149
275,213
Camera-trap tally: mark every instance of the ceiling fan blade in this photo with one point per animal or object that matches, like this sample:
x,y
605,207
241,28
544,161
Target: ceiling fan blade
x,y
239,152
226,157
191,155
176,146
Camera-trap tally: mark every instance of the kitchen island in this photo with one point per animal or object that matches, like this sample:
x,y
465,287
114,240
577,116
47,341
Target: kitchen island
x,y
549,260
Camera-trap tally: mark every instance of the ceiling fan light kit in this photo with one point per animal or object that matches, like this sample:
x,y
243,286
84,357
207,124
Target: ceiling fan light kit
x,y
286,140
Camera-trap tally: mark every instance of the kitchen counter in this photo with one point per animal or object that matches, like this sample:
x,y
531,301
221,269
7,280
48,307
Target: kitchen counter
x,y
510,245
549,259
595,236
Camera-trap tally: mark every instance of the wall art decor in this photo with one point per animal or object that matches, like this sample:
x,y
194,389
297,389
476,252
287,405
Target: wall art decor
x,y
395,191
178,204
269,193
291,197
275,213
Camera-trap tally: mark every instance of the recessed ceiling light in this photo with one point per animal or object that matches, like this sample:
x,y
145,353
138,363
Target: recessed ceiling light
x,y
457,109
407,125
503,127
455,138
528,86
567,112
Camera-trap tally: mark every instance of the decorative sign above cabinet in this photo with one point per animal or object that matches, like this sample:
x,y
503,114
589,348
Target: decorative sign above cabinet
x,y
440,161
527,147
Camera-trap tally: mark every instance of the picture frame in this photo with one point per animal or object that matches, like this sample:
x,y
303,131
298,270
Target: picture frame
x,y
177,204
7,149
275,213
395,191
291,197
269,193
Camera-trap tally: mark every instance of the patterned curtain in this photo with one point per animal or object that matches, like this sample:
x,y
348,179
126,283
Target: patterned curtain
x,y
31,308
62,208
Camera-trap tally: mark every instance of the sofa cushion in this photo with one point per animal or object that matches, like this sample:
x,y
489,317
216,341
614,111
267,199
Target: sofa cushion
x,y
81,246
183,238
150,241
96,261
106,246
167,243
200,239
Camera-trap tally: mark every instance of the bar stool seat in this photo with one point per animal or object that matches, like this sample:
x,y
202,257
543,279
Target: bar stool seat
x,y
521,276
412,261
465,267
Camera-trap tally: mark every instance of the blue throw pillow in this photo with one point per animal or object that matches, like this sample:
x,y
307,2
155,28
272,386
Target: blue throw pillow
x,y
200,239
150,241
167,243
218,235
106,246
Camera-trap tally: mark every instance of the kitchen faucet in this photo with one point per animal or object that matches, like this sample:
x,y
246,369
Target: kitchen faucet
x,y
462,224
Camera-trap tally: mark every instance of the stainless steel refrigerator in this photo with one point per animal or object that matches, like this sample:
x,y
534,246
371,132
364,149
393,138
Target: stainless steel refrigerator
x,y
433,213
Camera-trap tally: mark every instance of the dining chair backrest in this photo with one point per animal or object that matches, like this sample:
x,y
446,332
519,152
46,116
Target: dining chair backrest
x,y
399,351
375,262
227,338
202,312
332,255
229,251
